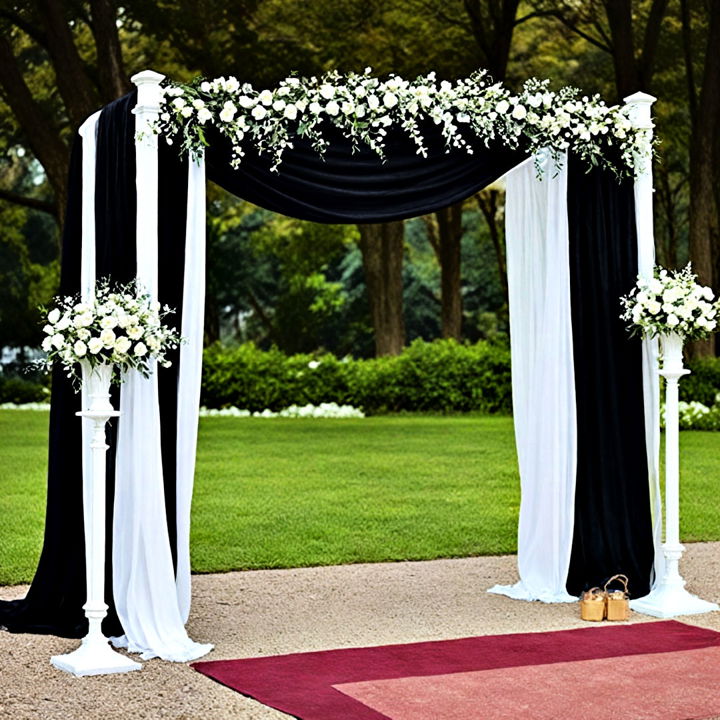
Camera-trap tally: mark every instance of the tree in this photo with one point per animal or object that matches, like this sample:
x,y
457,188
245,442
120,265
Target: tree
x,y
51,32
382,248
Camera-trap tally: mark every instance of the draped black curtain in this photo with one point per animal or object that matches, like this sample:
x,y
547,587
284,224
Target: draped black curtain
x,y
613,527
347,187
54,602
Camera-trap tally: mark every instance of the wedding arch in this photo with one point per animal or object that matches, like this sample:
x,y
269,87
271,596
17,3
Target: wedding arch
x,y
356,149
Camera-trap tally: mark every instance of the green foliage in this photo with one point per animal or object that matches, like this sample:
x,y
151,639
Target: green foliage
x,y
18,390
703,383
441,376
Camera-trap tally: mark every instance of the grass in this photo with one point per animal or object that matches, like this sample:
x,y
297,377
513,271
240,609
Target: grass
x,y
292,493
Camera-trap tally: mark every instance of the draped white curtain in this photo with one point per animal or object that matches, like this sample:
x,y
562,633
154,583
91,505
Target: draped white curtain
x,y
543,378
152,603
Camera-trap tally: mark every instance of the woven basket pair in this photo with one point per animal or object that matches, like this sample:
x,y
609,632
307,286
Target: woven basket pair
x,y
614,605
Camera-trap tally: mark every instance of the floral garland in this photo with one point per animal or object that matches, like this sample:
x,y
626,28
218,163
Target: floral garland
x,y
363,107
671,302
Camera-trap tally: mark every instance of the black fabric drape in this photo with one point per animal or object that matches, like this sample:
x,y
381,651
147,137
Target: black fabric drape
x,y
613,528
344,187
54,602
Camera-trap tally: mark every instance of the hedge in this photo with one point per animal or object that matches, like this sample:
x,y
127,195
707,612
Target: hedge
x,y
20,391
440,376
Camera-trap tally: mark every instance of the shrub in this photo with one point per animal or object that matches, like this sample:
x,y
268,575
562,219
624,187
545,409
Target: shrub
x,y
441,376
20,391
703,383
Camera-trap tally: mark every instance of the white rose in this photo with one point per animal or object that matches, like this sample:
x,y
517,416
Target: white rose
x,y
327,91
373,102
232,85
154,345
186,112
259,112
204,115
332,108
80,348
519,112
197,103
95,345
179,103
347,108
390,99
122,345
109,321
140,349
278,105
134,332
290,112
81,308
228,112
502,107
266,97
64,323
653,307
707,293
47,344
245,101
672,320
83,334
315,108
48,330
57,340
205,86
107,338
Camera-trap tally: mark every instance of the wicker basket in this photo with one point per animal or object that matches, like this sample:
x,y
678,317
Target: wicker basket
x,y
592,605
618,602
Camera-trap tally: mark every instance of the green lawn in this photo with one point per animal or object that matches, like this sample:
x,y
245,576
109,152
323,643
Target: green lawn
x,y
288,493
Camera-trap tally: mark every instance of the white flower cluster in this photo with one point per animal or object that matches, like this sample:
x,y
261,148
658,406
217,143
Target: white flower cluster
x,y
24,406
671,302
467,113
120,325
324,410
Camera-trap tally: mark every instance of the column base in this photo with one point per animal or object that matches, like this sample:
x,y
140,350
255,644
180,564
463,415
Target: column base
x,y
95,658
668,601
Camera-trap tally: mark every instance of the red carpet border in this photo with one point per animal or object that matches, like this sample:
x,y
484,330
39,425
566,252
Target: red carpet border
x,y
664,670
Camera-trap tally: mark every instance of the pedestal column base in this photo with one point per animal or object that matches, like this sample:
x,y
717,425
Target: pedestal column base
x,y
668,601
94,658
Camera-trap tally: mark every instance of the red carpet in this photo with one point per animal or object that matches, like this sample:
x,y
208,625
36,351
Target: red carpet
x,y
660,670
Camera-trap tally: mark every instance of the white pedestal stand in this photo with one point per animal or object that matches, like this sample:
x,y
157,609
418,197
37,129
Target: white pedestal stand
x,y
670,598
95,656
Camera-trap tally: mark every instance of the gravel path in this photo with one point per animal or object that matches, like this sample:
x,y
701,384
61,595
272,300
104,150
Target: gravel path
x,y
268,612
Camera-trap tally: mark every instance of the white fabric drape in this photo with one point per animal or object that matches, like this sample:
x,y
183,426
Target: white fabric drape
x,y
145,590
190,373
543,378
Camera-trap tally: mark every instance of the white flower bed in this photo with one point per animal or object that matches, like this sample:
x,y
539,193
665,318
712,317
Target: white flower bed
x,y
466,112
24,406
324,410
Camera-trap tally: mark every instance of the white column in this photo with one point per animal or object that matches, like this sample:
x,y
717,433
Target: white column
x,y
146,112
670,598
640,111
95,656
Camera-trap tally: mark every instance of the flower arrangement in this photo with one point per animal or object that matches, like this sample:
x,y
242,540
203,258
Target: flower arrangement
x,y
323,410
363,107
671,302
121,326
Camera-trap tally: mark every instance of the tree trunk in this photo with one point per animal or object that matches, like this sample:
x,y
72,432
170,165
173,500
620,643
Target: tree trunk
x,y
72,79
113,81
487,201
704,233
382,247
449,222
45,143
